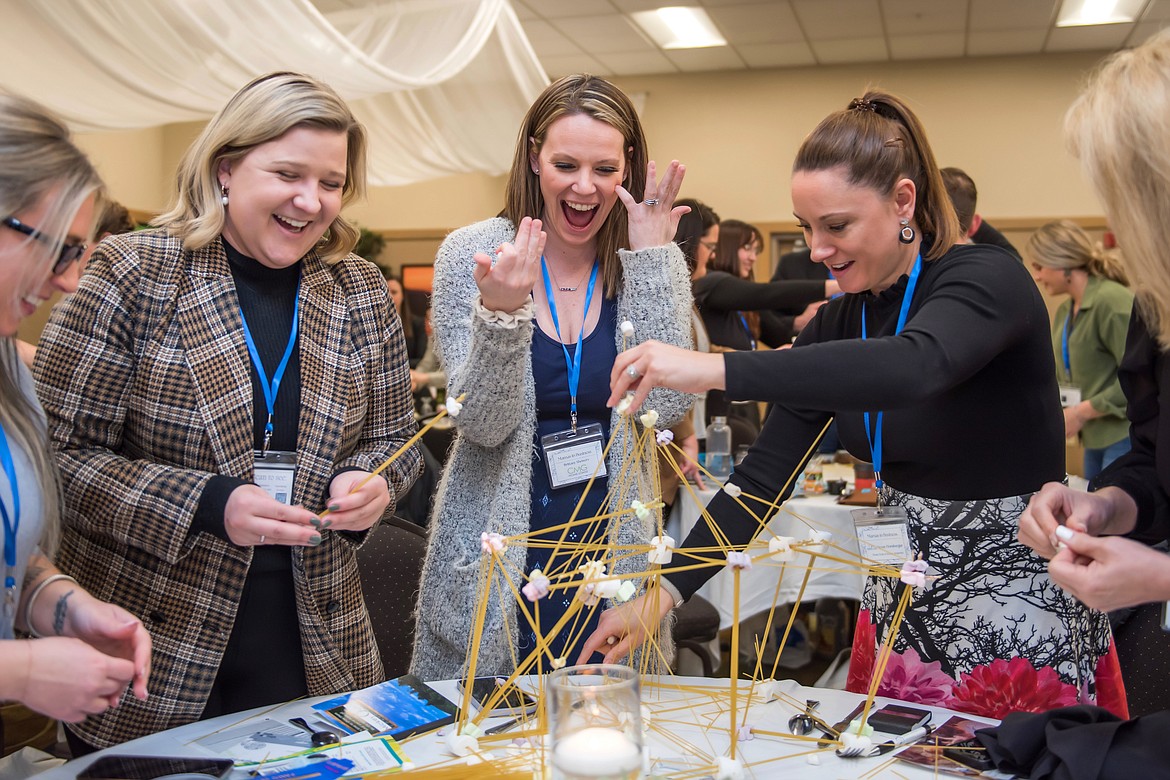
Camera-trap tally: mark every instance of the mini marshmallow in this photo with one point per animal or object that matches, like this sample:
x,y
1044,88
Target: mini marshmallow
x,y
738,560
649,418
460,744
780,548
625,592
453,407
766,689
623,406
640,509
660,550
818,538
732,490
914,573
853,743
492,543
607,589
813,759
627,328
745,733
664,437
558,663
728,768
537,586
592,570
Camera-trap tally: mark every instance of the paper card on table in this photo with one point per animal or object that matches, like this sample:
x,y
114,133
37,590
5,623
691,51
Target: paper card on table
x,y
329,769
398,708
366,753
257,739
955,730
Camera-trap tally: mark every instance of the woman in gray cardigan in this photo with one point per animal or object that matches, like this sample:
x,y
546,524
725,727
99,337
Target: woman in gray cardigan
x,y
512,297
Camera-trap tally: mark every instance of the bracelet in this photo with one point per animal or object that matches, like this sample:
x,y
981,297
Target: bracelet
x,y
28,605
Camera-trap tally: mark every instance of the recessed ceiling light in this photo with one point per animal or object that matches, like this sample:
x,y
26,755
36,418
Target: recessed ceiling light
x,y
1079,13
680,27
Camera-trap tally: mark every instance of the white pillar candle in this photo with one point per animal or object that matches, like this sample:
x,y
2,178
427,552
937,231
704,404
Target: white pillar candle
x,y
597,752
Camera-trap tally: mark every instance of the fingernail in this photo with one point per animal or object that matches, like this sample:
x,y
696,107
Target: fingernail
x,y
316,521
1064,532
315,539
327,523
335,507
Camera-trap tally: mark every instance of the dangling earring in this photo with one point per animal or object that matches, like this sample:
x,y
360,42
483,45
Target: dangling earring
x,y
906,234
328,234
223,194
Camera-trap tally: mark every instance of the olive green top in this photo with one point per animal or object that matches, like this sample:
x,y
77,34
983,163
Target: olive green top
x,y
1096,345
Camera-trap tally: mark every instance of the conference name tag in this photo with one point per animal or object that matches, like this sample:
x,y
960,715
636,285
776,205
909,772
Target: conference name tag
x,y
883,534
1070,395
276,471
572,457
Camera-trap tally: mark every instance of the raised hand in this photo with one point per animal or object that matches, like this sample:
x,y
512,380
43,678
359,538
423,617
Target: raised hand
x,y
653,222
506,281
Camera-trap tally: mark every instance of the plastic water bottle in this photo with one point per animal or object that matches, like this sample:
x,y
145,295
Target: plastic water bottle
x,y
719,449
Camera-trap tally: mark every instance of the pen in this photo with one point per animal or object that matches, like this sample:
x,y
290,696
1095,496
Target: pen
x,y
908,738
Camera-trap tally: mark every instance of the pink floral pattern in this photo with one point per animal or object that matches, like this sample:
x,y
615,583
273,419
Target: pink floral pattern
x,y
1013,685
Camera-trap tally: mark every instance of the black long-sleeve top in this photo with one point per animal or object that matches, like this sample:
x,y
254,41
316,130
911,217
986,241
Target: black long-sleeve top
x,y
721,296
1144,471
968,388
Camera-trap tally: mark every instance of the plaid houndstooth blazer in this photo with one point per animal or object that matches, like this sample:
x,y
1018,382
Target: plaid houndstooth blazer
x,y
144,375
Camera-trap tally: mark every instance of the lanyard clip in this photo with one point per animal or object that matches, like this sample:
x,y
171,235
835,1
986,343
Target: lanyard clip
x,y
573,420
267,436
877,489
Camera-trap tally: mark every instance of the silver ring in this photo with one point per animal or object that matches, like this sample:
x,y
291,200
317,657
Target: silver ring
x,y
632,372
651,201
262,537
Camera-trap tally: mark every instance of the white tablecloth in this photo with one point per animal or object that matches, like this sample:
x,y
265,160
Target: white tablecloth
x,y
688,731
758,585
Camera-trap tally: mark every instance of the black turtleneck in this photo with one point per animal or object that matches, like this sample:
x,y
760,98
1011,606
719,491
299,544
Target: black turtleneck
x,y
969,391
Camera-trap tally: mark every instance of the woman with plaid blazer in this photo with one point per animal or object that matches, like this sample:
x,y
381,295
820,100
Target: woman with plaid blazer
x,y
241,325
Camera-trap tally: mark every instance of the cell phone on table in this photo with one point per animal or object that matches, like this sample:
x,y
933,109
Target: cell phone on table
x,y
969,753
898,719
513,702
121,767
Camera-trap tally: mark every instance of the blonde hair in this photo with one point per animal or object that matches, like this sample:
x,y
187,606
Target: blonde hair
x,y
1119,129
39,163
1064,246
597,98
262,111
878,141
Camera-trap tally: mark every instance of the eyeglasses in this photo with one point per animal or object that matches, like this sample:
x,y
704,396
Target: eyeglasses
x,y
70,253
711,246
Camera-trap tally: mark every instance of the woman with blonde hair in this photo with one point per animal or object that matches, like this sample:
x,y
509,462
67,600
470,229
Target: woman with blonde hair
x,y
214,386
936,363
85,652
526,312
1088,336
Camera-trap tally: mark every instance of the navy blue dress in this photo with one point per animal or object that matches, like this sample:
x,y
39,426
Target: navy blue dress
x,y
553,507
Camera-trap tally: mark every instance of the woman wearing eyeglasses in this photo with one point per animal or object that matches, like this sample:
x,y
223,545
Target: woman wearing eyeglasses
x,y
85,652
219,392
728,299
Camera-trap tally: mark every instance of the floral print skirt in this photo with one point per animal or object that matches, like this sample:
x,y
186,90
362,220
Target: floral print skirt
x,y
990,633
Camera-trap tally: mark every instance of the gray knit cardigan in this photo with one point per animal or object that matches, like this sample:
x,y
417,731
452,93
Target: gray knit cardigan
x,y
487,481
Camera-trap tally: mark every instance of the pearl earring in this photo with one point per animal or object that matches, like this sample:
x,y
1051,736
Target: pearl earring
x,y
223,194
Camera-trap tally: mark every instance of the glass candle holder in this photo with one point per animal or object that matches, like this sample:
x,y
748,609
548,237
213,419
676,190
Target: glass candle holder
x,y
595,715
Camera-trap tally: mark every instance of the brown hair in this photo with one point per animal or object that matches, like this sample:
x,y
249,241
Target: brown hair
x,y
963,195
878,141
1063,245
597,98
692,226
734,234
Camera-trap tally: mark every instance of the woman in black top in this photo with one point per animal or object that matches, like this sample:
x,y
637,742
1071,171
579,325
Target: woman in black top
x,y
962,396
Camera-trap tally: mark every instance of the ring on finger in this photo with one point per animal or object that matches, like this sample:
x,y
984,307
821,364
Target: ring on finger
x,y
651,201
262,538
632,372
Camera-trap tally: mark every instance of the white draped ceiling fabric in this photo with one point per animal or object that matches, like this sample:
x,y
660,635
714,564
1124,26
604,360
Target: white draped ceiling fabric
x,y
441,85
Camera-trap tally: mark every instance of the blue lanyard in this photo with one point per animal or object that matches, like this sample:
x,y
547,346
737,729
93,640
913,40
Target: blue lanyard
x,y
875,442
1064,343
11,522
747,329
270,388
573,364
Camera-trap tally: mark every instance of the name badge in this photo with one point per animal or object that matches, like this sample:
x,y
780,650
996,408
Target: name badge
x,y
276,471
572,457
1070,395
883,534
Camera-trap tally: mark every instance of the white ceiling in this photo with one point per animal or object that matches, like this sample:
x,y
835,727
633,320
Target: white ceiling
x,y
599,36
